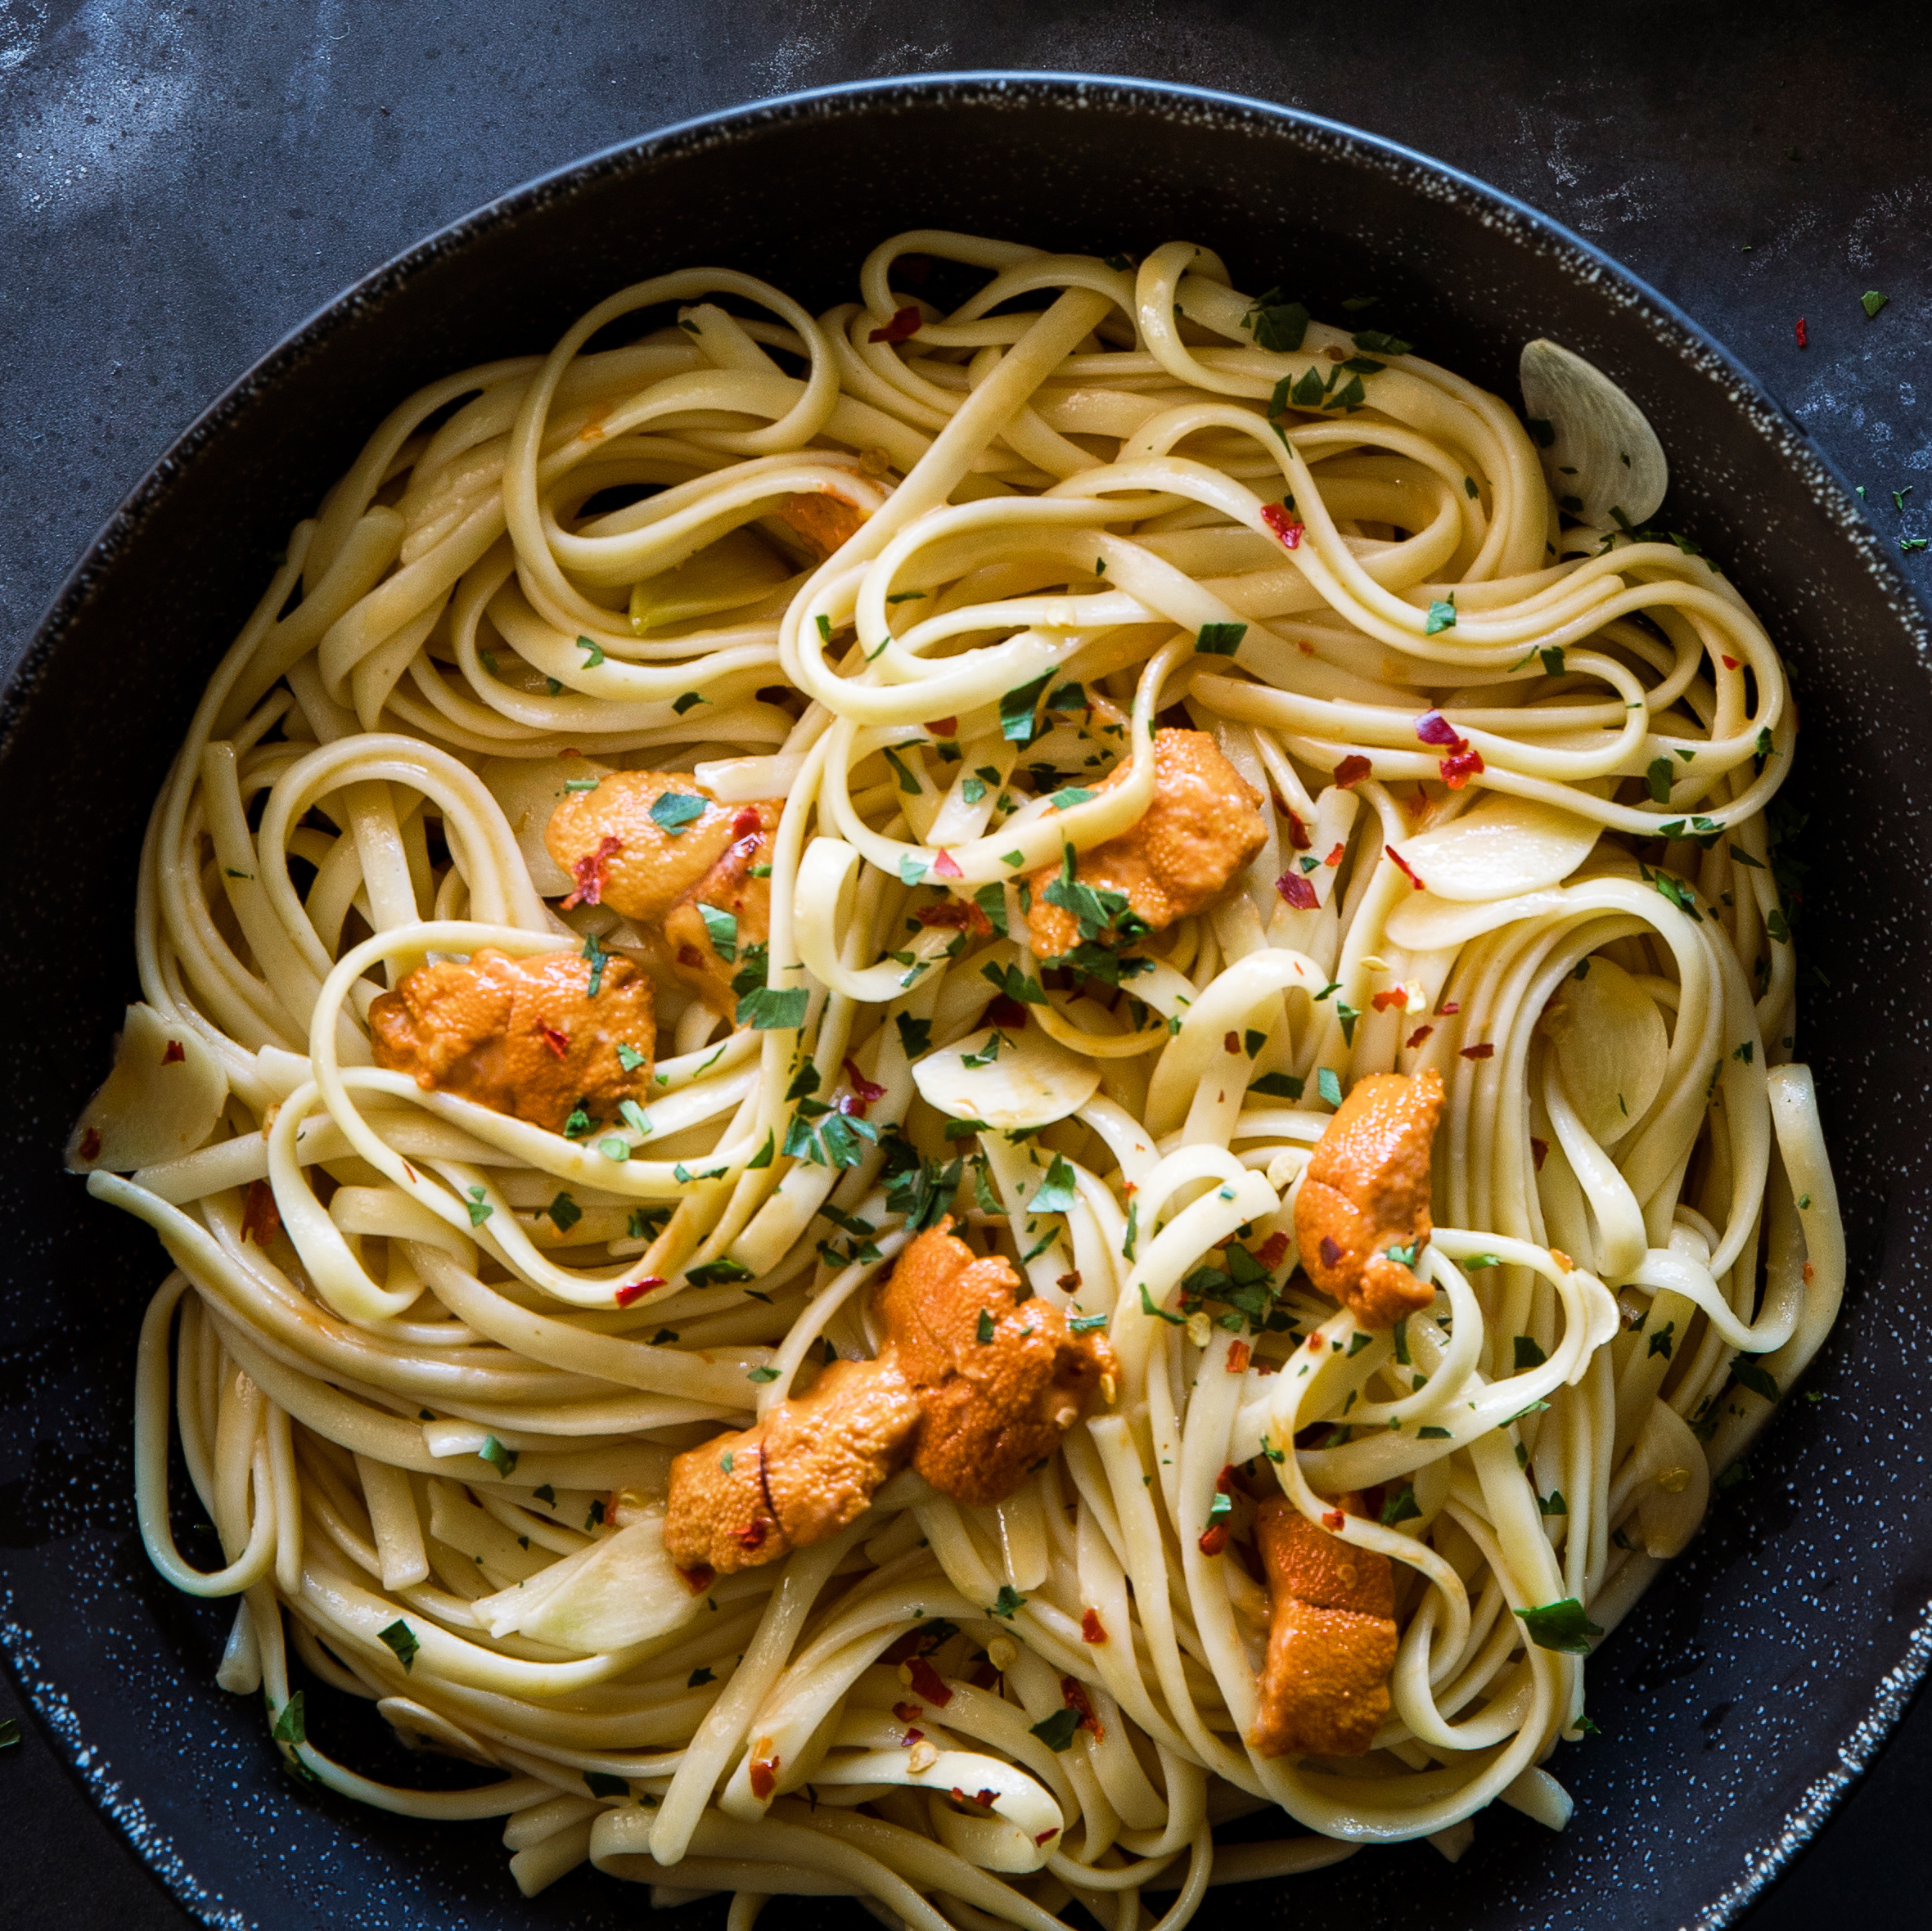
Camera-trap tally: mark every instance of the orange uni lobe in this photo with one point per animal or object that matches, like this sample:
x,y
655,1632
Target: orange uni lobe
x,y
806,1471
657,847
1362,1219
522,1036
1332,1637
998,1380
1201,830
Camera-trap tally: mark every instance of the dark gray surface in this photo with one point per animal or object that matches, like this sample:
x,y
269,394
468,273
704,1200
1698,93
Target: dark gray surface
x,y
188,182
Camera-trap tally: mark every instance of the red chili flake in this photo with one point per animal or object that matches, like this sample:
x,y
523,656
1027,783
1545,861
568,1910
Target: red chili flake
x,y
1297,891
1539,1151
558,1042
699,1577
1298,832
911,1737
1417,1036
633,1290
1730,664
1230,1041
1093,1630
946,865
1335,857
588,872
90,1144
1332,1521
1434,728
1799,332
1332,1254
1073,1693
1274,1250
1382,1002
752,1534
410,1171
929,1683
1352,771
1284,526
867,1090
1404,867
1069,1284
1483,1051
1004,1010
1214,1540
983,1802
906,322
689,954
942,727
1228,1480
175,1054
1447,1007
1808,1271
908,1713
1238,1358
261,1221
1047,1836
1459,767
748,824
764,1776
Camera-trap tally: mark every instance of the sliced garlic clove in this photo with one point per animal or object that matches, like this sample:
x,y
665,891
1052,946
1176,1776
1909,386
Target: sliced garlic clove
x,y
529,789
161,1101
1610,1046
738,569
622,1589
1670,1465
1029,1081
1605,455
1499,847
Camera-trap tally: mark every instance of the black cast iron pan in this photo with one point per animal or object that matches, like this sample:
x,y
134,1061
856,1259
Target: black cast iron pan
x,y
1738,1701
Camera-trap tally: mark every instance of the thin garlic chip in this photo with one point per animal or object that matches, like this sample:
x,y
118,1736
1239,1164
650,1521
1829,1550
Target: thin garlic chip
x,y
1603,456
1008,1077
622,1589
735,570
161,1101
1499,847
529,789
1610,1048
1671,1464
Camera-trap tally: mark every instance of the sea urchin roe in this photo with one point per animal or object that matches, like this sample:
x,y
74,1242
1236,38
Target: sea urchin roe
x,y
1362,1219
976,1388
522,1036
661,850
999,1381
728,910
1201,830
1331,1636
807,1470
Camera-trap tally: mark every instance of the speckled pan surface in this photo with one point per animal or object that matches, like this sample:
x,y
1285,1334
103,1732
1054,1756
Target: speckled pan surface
x,y
1747,1692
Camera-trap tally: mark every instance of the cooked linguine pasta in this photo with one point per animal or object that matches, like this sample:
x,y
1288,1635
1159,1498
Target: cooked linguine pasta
x,y
941,1091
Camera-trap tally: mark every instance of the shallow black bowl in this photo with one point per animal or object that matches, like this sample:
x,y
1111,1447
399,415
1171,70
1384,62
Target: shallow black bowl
x,y
1748,1689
